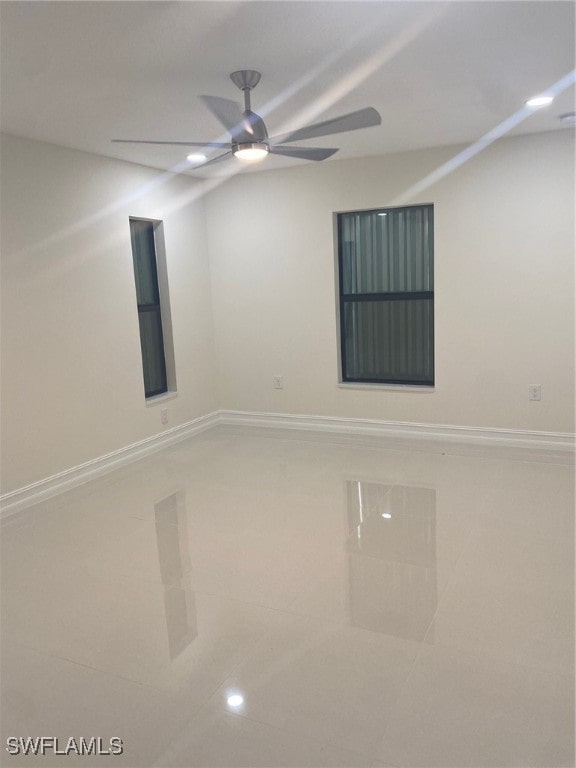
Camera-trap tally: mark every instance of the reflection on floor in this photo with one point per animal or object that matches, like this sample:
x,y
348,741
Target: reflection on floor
x,y
174,559
262,598
392,558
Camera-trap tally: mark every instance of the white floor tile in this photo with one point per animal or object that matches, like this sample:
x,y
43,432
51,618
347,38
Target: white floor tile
x,y
460,709
376,603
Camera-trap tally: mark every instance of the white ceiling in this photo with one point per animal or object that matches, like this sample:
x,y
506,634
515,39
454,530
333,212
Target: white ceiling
x,y
81,73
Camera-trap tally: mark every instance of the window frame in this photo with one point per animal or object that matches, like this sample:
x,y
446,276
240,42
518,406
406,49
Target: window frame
x,y
343,298
160,307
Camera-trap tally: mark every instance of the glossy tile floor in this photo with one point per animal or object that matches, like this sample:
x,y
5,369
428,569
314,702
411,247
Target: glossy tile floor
x,y
282,599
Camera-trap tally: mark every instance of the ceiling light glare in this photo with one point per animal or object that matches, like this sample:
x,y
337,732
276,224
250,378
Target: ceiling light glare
x,y
382,214
195,157
537,102
386,515
235,700
251,151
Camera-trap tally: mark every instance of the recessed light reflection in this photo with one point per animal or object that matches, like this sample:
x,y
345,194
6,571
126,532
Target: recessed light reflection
x,y
195,157
539,101
386,515
382,214
235,700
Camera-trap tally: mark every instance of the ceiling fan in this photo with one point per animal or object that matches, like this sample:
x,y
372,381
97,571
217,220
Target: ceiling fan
x,y
249,138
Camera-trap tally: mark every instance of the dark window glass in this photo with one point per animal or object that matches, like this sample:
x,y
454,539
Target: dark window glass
x,y
386,265
149,313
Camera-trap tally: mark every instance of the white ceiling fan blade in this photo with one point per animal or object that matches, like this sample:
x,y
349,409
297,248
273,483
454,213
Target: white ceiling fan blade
x,y
228,112
218,144
217,159
363,118
303,153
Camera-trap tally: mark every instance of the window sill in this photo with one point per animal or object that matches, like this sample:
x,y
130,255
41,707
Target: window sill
x,y
157,399
424,389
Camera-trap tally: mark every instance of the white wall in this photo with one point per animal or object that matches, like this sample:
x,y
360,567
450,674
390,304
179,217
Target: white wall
x,y
504,266
72,387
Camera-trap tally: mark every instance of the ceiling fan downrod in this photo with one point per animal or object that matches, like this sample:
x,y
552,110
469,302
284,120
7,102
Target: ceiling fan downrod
x,y
246,79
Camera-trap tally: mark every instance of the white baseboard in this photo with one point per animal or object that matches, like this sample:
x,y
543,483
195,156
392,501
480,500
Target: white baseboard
x,y
559,441
16,500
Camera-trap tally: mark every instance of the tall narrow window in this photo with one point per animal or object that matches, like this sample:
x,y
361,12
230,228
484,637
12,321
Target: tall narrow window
x,y
386,276
149,309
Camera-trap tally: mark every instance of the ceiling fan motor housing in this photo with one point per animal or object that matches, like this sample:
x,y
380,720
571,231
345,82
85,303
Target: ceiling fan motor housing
x,y
250,136
250,129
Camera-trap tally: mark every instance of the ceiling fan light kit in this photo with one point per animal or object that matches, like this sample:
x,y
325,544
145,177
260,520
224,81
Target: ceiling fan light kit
x,y
250,150
249,140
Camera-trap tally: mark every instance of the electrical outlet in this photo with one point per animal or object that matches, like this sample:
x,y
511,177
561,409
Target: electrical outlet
x,y
278,382
534,392
164,415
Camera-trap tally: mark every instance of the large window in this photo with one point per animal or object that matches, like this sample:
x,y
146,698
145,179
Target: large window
x,y
386,283
142,233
